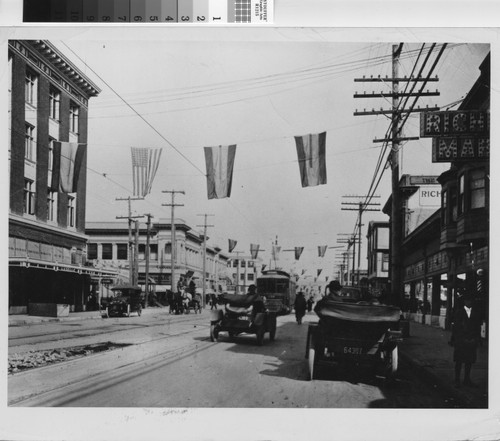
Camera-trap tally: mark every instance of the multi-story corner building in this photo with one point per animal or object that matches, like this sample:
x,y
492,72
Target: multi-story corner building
x,y
48,102
447,254
109,248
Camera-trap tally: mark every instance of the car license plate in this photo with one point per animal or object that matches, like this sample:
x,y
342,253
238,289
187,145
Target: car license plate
x,y
352,350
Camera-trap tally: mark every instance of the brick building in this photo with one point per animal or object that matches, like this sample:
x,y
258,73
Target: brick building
x,y
48,103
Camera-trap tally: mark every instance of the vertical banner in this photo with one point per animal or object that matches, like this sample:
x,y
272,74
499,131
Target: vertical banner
x,y
145,163
254,250
232,245
322,250
311,156
219,162
298,252
66,168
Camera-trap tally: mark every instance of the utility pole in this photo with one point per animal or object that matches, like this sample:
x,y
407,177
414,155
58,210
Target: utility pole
x,y
146,285
362,206
395,139
173,253
131,252
204,254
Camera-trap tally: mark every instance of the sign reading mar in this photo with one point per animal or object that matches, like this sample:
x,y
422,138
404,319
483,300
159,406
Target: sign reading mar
x,y
462,135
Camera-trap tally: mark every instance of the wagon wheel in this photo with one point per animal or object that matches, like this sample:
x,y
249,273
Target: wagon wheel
x,y
260,335
214,333
311,357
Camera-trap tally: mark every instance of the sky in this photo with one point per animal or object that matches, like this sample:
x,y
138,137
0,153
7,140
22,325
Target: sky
x,y
257,91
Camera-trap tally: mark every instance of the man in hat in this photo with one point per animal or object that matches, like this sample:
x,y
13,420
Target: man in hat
x,y
466,333
334,288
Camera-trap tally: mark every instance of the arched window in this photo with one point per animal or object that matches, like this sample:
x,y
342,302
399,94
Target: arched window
x,y
168,248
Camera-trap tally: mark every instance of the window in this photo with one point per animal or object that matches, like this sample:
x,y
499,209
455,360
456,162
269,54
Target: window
x,y
30,88
168,248
385,262
243,264
153,252
51,206
51,153
91,251
477,189
29,196
454,204
242,276
29,142
250,277
122,251
73,118
54,103
107,251
71,211
235,263
251,264
142,252
444,205
461,196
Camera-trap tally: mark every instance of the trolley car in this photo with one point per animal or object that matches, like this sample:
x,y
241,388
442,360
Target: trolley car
x,y
279,290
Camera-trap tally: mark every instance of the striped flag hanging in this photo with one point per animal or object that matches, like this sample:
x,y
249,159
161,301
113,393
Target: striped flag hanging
x,y
232,245
263,268
68,159
145,163
311,155
219,161
319,271
322,250
275,252
298,252
254,250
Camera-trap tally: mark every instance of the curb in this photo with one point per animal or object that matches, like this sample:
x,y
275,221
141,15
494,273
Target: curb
x,y
429,376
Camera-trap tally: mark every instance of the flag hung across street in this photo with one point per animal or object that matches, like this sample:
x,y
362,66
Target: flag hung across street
x,y
219,162
322,250
145,163
311,156
231,245
67,164
298,252
254,250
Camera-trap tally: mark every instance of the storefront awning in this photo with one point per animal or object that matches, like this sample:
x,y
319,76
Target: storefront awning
x,y
25,262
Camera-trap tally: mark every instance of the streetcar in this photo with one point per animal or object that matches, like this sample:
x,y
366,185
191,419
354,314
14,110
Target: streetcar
x,y
279,290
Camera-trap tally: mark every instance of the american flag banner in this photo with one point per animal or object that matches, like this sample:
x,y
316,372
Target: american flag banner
x,y
231,245
319,271
68,160
219,162
145,163
326,278
303,272
311,155
322,250
263,268
254,250
298,252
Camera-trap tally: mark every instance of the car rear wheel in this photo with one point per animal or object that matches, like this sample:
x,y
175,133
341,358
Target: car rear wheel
x,y
214,333
260,335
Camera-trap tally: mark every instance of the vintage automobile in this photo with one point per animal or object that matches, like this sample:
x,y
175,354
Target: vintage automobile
x,y
243,314
127,299
354,333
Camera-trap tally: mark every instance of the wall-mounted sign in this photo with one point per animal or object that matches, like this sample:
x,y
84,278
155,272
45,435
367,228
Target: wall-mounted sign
x,y
430,196
423,180
455,123
460,149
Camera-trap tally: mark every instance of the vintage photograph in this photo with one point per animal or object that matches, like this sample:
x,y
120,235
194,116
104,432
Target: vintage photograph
x,y
241,219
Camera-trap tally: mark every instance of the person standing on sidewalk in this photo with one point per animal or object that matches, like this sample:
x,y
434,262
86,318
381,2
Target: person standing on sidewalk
x,y
466,333
300,307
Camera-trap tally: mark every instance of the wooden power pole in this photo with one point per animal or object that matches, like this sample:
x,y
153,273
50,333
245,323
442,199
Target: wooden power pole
x,y
173,253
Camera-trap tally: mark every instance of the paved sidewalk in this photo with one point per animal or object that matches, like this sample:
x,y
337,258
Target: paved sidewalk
x,y
428,351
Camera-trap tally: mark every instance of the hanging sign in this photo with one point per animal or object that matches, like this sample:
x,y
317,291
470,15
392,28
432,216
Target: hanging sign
x,y
455,123
450,149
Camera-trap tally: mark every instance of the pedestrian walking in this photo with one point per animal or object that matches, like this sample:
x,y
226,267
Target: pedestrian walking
x,y
466,334
300,306
213,301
